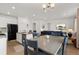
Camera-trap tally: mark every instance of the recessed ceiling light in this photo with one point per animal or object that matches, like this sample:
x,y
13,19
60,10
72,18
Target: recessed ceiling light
x,y
8,13
13,7
34,15
52,5
44,6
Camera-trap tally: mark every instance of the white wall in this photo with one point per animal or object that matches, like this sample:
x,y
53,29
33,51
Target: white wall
x,y
68,22
4,20
22,22
77,28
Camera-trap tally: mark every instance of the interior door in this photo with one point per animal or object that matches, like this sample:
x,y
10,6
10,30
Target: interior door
x,y
49,26
34,26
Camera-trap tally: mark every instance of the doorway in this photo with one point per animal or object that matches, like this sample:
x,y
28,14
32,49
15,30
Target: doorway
x,y
12,30
34,26
49,26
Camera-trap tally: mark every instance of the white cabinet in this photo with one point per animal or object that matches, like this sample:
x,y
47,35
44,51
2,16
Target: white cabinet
x,y
3,46
19,37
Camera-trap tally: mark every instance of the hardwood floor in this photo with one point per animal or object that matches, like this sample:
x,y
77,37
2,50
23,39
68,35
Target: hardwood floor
x,y
14,48
71,50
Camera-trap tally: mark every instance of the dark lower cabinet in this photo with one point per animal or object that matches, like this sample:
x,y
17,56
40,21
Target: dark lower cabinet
x,y
12,30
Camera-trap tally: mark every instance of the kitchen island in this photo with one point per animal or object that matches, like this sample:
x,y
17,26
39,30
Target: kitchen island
x,y
51,45
19,36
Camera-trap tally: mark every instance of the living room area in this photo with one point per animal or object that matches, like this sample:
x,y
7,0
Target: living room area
x,y
45,22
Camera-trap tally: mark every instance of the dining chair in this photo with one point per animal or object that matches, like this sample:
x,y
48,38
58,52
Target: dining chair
x,y
24,43
31,47
64,44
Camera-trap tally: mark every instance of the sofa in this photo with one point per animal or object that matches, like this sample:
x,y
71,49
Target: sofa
x,y
54,33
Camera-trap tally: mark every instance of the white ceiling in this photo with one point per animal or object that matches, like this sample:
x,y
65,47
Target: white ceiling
x,y
61,10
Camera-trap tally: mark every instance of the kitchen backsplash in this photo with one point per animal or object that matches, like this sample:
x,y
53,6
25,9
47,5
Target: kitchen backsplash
x,y
3,30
